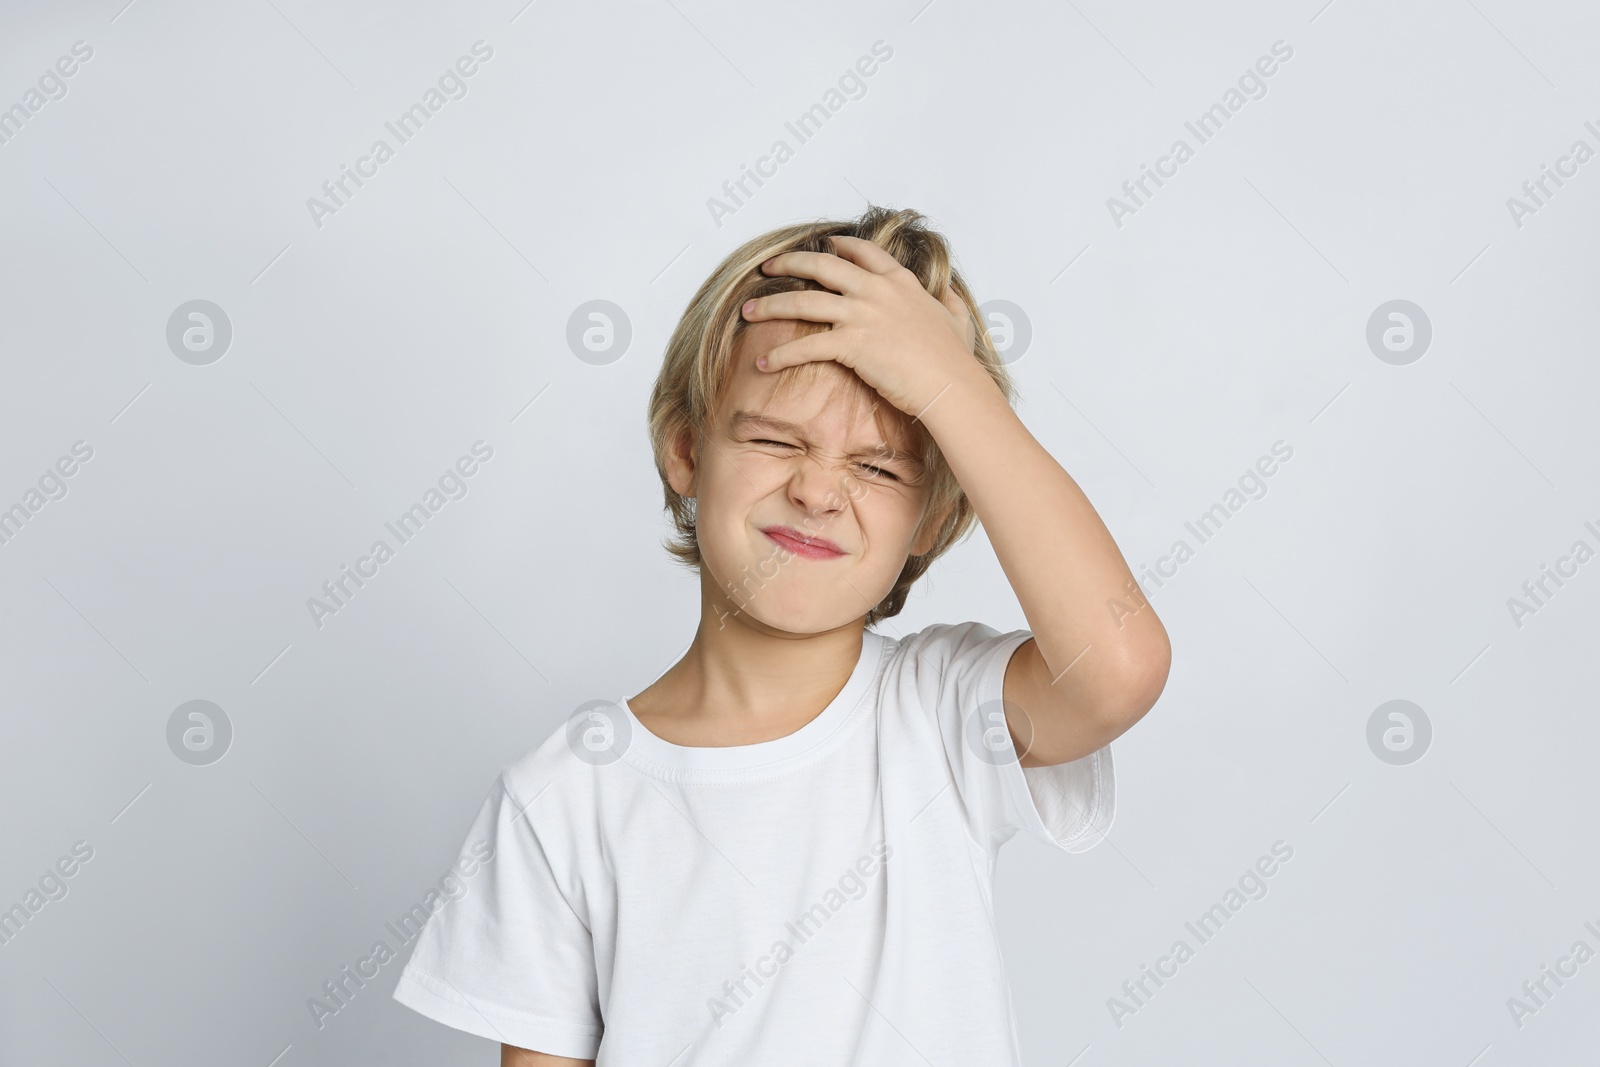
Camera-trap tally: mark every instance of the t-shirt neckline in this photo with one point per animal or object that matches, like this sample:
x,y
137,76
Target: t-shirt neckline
x,y
644,746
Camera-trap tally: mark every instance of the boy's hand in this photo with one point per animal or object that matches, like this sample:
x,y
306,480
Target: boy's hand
x,y
900,339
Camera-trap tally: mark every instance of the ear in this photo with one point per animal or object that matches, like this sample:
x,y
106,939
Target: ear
x,y
682,461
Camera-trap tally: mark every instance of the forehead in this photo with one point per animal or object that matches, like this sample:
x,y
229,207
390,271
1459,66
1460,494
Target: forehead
x,y
823,397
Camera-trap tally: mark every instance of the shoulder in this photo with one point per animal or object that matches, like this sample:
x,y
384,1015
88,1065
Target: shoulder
x,y
945,670
549,781
949,636
941,646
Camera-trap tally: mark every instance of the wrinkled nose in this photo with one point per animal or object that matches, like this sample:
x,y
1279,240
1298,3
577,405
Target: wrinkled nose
x,y
820,487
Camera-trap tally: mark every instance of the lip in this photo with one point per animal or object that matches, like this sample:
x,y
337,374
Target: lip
x,y
801,545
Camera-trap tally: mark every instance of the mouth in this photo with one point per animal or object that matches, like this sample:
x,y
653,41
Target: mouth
x,y
801,545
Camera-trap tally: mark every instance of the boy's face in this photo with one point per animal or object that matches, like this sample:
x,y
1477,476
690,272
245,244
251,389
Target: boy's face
x,y
805,514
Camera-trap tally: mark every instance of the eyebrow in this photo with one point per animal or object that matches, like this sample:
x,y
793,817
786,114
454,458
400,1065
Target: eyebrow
x,y
749,420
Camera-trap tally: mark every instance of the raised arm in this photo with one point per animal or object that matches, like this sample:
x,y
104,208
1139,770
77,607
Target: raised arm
x,y
1099,656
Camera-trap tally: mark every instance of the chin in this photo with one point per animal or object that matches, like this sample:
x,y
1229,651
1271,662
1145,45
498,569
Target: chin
x,y
807,610
812,622
794,599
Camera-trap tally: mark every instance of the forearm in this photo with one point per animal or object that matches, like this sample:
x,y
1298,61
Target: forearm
x,y
1095,631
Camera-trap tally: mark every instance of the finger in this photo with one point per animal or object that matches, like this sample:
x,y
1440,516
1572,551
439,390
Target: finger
x,y
954,303
865,254
809,349
809,304
963,316
837,274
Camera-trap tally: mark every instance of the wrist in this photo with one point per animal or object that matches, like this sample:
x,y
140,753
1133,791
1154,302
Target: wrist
x,y
970,394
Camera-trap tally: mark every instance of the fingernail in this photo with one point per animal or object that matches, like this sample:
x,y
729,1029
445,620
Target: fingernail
x,y
749,306
761,361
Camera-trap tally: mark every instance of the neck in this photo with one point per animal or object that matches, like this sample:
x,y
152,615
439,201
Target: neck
x,y
741,680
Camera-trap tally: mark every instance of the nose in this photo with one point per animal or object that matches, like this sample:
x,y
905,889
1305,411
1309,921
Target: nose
x,y
819,486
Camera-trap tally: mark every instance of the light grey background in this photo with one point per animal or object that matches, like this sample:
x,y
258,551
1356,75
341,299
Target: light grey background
x,y
1167,355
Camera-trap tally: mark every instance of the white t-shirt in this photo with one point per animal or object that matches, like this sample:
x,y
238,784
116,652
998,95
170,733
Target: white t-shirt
x,y
822,898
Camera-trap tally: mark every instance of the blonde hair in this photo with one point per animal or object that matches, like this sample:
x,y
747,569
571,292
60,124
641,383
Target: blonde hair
x,y
695,374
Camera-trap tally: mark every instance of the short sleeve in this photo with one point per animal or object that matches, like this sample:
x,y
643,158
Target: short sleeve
x,y
508,958
958,672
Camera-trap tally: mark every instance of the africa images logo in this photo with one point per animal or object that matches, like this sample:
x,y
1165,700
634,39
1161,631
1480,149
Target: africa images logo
x,y
851,885
340,990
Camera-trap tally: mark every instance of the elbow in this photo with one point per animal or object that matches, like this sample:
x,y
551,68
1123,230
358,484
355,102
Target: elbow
x,y
1142,676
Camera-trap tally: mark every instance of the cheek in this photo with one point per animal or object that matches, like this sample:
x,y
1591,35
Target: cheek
x,y
889,517
728,497
737,485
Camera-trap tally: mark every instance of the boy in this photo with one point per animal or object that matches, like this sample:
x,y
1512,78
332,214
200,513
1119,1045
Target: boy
x,y
782,850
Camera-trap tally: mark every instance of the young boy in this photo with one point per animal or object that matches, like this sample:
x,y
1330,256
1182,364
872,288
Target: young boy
x,y
782,850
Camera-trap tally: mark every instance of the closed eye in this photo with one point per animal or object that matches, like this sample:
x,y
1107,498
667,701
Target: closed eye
x,y
875,472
